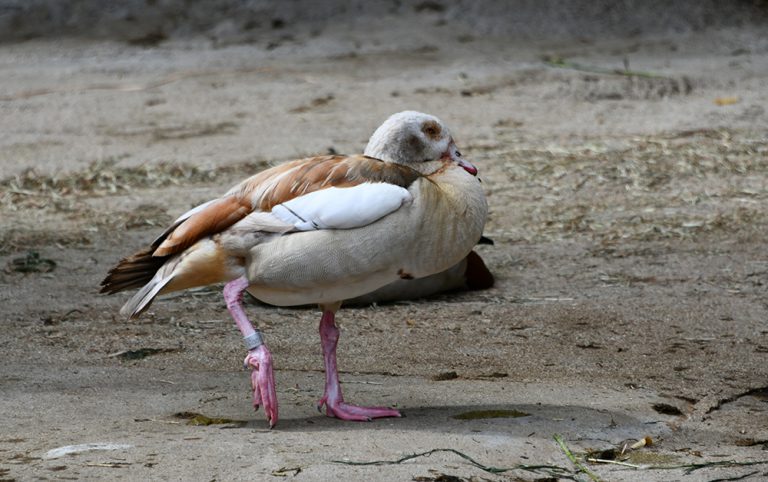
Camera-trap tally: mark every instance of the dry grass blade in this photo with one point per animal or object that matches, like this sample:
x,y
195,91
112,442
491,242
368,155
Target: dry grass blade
x,y
574,460
614,462
561,63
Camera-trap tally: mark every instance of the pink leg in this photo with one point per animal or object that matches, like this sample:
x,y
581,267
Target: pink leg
x,y
332,398
259,358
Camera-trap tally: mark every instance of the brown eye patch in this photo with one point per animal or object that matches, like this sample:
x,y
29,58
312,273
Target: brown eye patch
x,y
431,129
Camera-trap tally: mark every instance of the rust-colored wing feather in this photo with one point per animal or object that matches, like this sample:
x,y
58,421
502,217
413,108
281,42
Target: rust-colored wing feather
x,y
216,217
293,179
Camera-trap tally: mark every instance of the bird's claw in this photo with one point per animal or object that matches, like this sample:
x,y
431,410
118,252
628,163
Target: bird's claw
x,y
346,411
263,382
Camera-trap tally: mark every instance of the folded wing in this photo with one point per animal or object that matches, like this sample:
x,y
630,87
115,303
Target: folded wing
x,y
342,208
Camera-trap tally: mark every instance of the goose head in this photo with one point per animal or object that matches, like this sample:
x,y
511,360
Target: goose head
x,y
420,141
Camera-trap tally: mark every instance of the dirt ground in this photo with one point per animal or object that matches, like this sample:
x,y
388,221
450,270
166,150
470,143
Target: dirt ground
x,y
628,209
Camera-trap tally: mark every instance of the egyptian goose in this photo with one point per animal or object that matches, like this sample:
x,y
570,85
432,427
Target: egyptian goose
x,y
320,231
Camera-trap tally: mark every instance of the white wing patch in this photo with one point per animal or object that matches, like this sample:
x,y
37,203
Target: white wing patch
x,y
342,208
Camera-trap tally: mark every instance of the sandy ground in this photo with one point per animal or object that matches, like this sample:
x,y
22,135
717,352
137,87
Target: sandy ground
x,y
629,215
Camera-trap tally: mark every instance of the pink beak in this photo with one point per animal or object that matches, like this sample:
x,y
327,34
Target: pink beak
x,y
467,166
455,156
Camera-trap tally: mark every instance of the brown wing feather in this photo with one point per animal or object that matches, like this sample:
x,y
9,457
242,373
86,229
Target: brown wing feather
x,y
293,179
216,217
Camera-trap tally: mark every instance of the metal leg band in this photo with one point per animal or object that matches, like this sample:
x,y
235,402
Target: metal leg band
x,y
254,340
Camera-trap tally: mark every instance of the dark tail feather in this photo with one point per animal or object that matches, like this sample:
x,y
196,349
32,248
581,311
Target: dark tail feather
x,y
134,271
478,275
485,240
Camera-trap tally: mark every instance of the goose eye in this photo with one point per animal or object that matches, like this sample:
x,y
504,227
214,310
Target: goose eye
x,y
458,153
